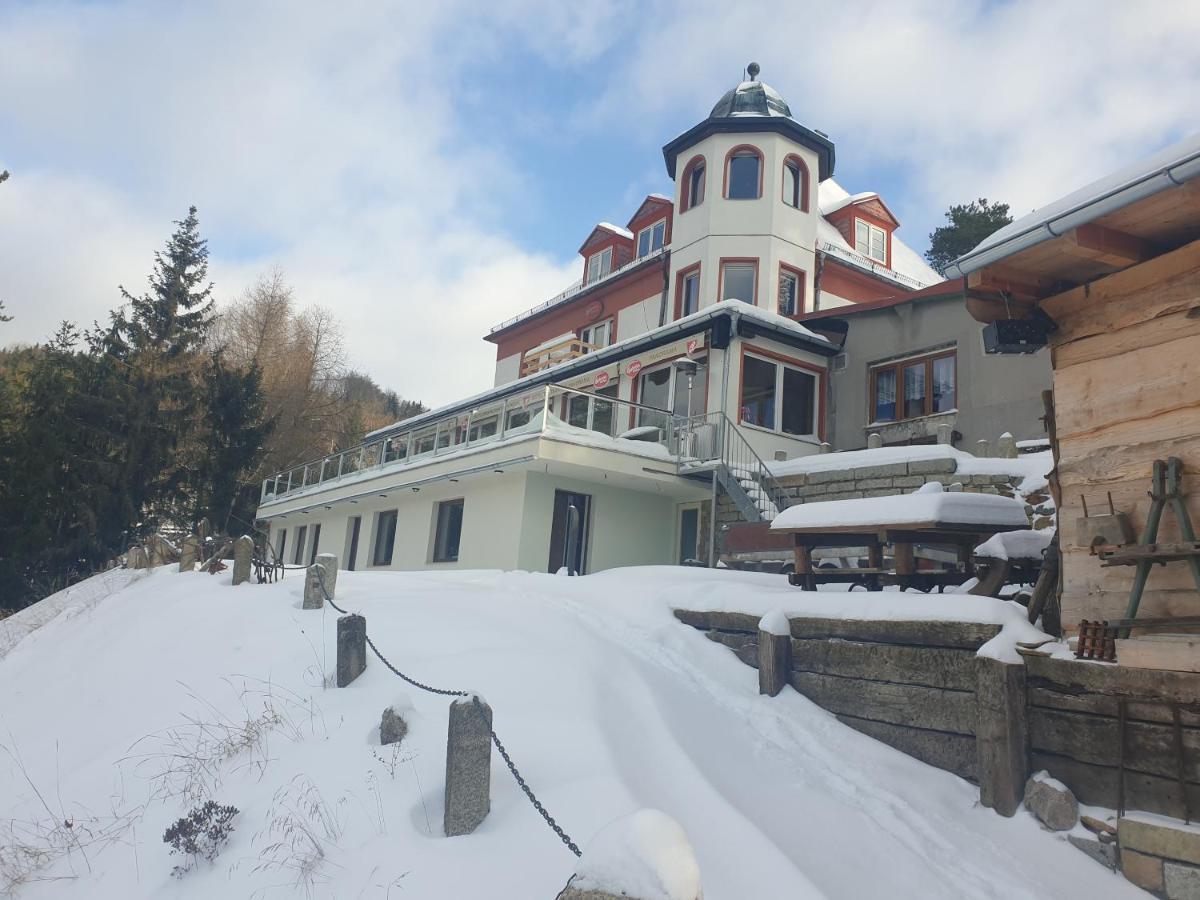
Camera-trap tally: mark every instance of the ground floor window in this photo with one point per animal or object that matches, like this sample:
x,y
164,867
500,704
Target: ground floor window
x,y
778,396
447,531
316,543
914,387
385,538
298,553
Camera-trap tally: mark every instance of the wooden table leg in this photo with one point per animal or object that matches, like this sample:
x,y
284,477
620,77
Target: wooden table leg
x,y
905,563
875,561
803,565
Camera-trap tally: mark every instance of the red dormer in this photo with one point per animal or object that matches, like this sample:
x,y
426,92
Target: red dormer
x,y
607,248
867,225
651,225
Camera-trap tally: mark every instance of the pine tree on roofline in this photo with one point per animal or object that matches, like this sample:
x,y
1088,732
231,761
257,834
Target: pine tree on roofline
x,y
969,224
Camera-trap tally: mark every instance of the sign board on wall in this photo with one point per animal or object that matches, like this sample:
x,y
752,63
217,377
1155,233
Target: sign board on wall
x,y
688,347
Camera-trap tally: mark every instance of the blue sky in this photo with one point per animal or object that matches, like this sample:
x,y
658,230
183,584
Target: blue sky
x,y
427,170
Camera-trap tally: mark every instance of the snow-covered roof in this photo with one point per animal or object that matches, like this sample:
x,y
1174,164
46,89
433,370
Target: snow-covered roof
x,y
1026,544
1170,167
909,265
616,229
928,504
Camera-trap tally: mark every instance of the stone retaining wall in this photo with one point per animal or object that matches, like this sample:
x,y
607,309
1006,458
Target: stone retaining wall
x,y
910,684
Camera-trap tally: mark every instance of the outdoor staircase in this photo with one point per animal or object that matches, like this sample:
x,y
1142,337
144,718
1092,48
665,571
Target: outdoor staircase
x,y
738,470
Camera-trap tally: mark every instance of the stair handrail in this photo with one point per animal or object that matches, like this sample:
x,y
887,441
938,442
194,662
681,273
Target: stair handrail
x,y
736,453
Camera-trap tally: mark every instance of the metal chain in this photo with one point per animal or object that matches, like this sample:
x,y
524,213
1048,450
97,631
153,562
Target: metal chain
x,y
478,707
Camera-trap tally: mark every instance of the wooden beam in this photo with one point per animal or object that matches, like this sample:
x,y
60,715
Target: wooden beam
x,y
987,308
1000,281
1108,246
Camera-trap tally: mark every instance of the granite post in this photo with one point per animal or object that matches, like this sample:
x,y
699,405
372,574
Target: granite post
x,y
189,553
1006,446
945,433
325,567
468,765
1001,734
982,448
774,653
351,648
243,553
874,441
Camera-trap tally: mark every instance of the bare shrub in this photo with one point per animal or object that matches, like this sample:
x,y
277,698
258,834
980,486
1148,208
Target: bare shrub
x,y
201,833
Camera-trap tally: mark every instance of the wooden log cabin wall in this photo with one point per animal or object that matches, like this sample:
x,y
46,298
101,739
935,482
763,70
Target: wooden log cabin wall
x,y
1115,267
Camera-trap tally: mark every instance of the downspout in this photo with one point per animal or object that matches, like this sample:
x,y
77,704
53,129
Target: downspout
x,y
817,281
662,306
734,319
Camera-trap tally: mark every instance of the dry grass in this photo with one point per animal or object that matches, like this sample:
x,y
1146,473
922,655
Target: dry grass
x,y
300,827
189,761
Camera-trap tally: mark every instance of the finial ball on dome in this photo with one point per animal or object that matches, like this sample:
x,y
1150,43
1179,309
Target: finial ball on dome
x,y
753,70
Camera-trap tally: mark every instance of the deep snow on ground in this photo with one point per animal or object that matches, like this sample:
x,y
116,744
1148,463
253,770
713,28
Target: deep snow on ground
x,y
606,703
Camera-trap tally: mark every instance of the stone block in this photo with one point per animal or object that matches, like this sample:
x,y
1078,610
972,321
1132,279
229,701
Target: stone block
x,y
1053,805
1043,522
989,489
843,495
977,479
874,441
880,492
243,553
932,466
870,484
955,486
830,475
887,470
392,727
1105,854
812,490
351,648
983,449
1160,839
468,765
908,481
326,567
136,558
1181,882
797,480
825,447
1006,446
1144,871
945,433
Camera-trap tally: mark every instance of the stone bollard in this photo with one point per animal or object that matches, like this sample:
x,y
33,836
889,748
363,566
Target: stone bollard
x,y
243,553
645,856
351,648
955,486
189,553
1006,446
1001,734
774,653
874,441
326,566
468,765
392,726
983,449
945,434
825,447
136,558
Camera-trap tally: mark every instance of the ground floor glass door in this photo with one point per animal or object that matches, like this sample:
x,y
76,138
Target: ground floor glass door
x,y
569,532
352,541
689,534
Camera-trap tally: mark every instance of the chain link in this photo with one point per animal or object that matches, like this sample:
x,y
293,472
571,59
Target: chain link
x,y
478,707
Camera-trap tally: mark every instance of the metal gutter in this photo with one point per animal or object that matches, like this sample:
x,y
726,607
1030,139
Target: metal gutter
x,y
1158,179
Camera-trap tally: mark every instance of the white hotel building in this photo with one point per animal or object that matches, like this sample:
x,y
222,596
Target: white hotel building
x,y
623,406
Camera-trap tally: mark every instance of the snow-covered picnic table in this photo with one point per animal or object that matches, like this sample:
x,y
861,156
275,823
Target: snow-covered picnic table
x,y
929,515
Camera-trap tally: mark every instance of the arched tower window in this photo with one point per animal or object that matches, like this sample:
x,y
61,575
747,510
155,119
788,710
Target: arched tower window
x,y
691,192
743,173
795,183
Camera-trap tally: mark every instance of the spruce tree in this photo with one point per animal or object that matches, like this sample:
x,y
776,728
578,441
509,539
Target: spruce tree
x,y
969,224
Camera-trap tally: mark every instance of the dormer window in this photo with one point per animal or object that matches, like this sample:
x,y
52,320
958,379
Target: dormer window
x,y
651,238
599,265
870,241
743,176
693,185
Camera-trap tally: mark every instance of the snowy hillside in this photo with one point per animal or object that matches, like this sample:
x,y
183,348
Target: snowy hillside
x,y
143,694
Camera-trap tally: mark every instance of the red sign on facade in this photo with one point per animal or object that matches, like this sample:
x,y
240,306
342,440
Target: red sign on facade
x,y
594,310
691,346
601,380
633,368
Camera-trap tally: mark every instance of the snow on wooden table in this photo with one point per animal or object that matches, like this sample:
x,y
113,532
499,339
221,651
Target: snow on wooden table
x,y
928,506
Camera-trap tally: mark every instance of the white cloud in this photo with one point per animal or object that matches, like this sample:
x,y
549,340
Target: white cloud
x,y
332,140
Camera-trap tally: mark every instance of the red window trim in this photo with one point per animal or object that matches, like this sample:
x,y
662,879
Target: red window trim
x,y
804,181
739,150
680,277
817,371
898,365
685,199
801,288
737,260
